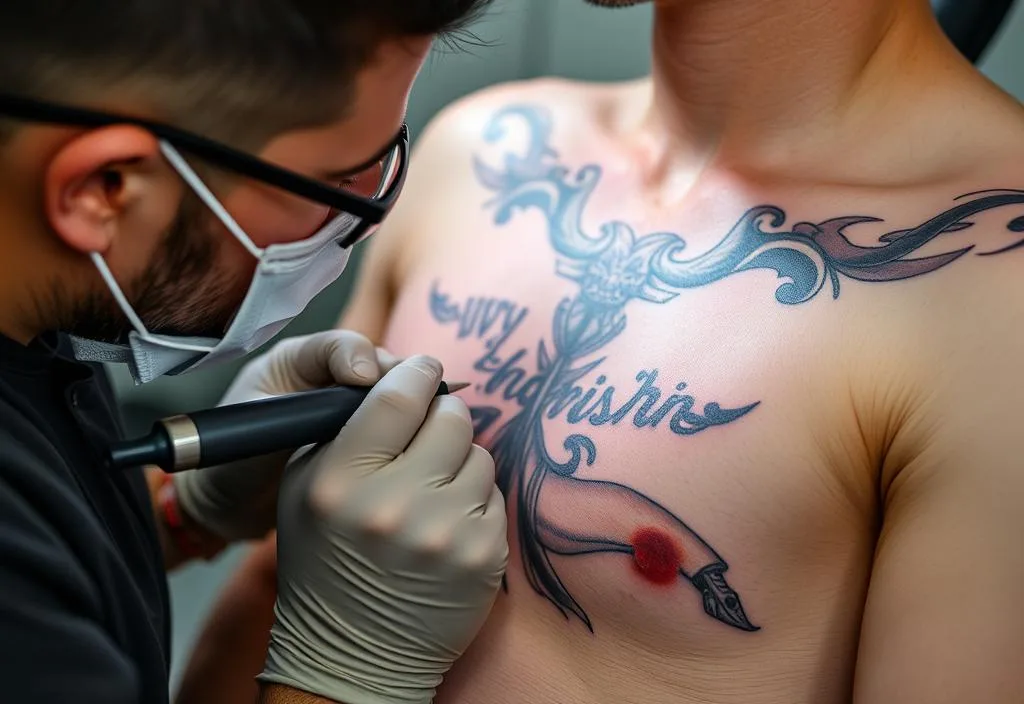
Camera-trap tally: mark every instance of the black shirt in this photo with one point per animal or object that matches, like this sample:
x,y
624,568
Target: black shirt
x,y
84,607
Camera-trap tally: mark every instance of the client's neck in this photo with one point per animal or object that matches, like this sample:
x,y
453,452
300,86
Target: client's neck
x,y
750,82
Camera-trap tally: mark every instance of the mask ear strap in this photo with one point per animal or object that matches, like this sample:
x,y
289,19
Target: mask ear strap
x,y
196,184
126,307
117,293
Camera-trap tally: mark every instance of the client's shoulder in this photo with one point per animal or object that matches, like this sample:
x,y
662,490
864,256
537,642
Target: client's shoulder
x,y
550,94
977,131
499,111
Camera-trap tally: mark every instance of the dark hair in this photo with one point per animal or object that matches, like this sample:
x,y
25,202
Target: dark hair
x,y
236,70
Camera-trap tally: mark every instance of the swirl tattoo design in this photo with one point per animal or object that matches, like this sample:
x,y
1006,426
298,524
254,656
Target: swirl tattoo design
x,y
613,269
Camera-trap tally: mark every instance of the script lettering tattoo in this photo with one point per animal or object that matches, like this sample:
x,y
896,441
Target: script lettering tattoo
x,y
614,269
662,546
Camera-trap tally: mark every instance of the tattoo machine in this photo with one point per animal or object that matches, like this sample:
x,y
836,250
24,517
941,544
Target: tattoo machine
x,y
244,431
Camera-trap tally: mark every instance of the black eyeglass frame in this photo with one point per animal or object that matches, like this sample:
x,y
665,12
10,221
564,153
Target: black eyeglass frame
x,y
370,212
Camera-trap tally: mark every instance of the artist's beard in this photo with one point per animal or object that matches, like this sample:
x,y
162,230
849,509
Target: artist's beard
x,y
181,292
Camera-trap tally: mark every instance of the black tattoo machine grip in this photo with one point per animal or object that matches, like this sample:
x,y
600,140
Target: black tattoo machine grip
x,y
243,431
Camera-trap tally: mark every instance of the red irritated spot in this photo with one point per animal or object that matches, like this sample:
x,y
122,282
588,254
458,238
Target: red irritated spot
x,y
655,556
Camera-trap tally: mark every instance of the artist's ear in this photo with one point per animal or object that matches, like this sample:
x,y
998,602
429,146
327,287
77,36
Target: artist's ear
x,y
108,184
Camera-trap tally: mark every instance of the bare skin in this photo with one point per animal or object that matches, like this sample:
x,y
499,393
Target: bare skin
x,y
805,484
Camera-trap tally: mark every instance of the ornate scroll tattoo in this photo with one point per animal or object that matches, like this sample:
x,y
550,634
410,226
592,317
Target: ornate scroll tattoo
x,y
559,513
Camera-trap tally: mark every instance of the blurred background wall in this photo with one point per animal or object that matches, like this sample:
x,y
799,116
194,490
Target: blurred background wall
x,y
524,38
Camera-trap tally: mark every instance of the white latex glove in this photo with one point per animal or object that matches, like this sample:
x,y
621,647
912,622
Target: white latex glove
x,y
238,501
391,548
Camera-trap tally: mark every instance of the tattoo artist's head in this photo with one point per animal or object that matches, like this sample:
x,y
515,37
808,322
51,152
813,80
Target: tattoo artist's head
x,y
315,86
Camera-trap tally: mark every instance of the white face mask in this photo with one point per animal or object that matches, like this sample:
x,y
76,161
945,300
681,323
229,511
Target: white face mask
x,y
287,278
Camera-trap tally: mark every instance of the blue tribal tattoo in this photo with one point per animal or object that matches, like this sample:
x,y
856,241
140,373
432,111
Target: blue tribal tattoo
x,y
613,270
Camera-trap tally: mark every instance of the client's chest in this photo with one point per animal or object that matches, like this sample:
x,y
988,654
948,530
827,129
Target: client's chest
x,y
644,447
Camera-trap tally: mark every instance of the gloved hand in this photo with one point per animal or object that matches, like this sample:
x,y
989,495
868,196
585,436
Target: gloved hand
x,y
238,501
391,548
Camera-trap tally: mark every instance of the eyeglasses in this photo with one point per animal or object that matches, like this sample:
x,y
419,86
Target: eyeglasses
x,y
368,194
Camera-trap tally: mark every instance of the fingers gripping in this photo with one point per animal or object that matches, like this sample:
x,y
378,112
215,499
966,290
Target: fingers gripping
x,y
333,357
383,426
438,452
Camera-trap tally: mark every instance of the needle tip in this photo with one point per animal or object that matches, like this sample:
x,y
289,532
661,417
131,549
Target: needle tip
x,y
455,386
